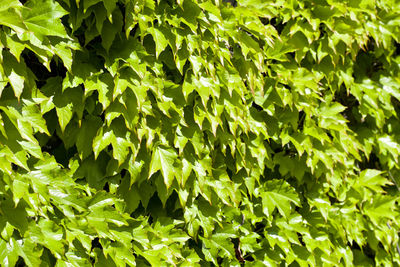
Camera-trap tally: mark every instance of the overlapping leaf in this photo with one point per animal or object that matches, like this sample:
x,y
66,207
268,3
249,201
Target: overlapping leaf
x,y
198,132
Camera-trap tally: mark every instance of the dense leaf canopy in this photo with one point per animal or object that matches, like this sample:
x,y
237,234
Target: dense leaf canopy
x,y
199,132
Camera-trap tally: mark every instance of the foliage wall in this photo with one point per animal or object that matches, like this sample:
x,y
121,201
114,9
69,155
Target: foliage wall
x,y
195,133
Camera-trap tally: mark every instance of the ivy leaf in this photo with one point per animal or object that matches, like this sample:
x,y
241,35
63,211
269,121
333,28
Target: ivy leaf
x,y
15,71
48,234
101,200
15,214
89,3
110,30
86,134
104,85
247,104
17,82
8,253
33,148
121,149
64,115
9,15
219,244
101,141
32,115
373,180
159,39
380,209
163,159
6,4
280,195
29,252
42,17
110,6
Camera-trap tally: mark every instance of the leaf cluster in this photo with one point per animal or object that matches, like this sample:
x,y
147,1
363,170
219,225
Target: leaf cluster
x,y
199,132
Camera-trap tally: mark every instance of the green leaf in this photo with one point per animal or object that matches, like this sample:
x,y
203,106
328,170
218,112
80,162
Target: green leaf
x,y
29,252
86,135
32,115
110,7
9,15
89,3
219,245
101,141
16,73
279,121
110,30
67,103
278,194
33,148
42,17
93,170
159,39
15,214
373,180
164,160
49,234
120,149
20,189
6,4
101,200
8,253
64,115
131,196
380,209
17,82
103,84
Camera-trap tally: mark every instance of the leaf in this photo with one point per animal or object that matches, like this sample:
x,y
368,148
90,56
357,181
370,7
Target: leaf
x,y
64,115
101,200
89,3
15,214
101,141
33,148
103,261
20,189
131,196
280,195
110,30
67,103
278,120
63,50
380,209
110,7
134,169
218,245
86,135
32,115
159,39
42,17
130,18
332,110
29,252
120,149
103,84
49,234
93,170
8,253
372,179
17,82
16,73
163,159
6,4
9,15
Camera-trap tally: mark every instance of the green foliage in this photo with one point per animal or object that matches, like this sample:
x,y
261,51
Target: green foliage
x,y
199,133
